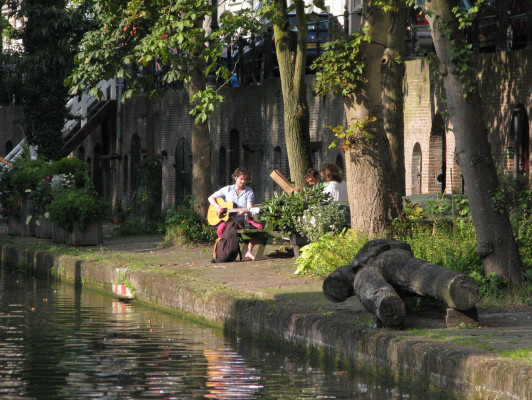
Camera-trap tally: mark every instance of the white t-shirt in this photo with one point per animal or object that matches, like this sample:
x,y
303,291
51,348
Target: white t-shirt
x,y
337,190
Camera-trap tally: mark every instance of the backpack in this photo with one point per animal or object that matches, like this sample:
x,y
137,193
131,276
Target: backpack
x,y
227,247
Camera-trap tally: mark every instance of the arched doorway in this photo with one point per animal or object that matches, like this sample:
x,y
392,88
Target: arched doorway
x,y
134,165
234,150
521,137
223,179
97,176
183,170
437,154
415,174
9,147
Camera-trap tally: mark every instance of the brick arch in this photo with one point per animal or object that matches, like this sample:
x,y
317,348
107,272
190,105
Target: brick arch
x,y
9,147
223,176
234,150
520,132
134,164
437,169
183,170
416,172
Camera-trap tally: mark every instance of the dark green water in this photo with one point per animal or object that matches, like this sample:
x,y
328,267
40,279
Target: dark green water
x,y
58,342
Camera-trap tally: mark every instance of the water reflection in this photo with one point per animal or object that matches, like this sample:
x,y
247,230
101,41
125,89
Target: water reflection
x,y
57,342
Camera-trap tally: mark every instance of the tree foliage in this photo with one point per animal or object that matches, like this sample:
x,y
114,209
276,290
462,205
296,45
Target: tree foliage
x,y
340,69
133,36
49,33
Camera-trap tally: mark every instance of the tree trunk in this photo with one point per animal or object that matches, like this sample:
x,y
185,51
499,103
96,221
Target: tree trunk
x,y
392,90
374,197
496,245
291,52
201,142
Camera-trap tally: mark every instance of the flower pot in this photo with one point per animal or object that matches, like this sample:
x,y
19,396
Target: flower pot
x,y
28,222
59,235
14,225
43,228
297,241
90,236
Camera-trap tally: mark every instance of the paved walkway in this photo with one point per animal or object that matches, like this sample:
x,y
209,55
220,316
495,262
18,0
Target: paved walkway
x,y
470,362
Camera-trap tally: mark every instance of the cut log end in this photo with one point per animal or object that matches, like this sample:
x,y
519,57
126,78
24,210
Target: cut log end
x,y
463,293
391,311
338,286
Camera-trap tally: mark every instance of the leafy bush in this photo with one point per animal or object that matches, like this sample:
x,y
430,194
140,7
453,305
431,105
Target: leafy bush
x,y
26,174
320,219
283,210
329,252
74,168
81,205
184,226
9,198
41,196
127,224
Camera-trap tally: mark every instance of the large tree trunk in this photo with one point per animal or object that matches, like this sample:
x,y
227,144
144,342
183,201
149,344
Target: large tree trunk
x,y
374,197
291,57
495,241
201,142
392,90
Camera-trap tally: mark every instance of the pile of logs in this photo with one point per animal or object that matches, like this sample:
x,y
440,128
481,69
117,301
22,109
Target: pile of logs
x,y
384,270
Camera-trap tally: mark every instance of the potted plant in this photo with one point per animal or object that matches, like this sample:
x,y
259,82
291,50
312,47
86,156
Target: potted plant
x,y
75,209
40,198
10,209
25,176
18,182
80,212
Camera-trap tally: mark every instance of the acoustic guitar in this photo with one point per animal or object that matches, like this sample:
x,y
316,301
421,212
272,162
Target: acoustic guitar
x,y
214,218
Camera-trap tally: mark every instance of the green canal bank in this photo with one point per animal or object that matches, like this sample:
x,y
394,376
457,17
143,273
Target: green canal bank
x,y
265,299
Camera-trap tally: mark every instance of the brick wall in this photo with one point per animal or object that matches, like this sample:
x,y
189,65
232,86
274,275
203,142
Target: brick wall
x,y
505,81
253,117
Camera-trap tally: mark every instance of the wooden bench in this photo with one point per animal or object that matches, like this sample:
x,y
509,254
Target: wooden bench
x,y
262,237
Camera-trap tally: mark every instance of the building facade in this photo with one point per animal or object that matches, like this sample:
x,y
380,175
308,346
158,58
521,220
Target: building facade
x,y
247,130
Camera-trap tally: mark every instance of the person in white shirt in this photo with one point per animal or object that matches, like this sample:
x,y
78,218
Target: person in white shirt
x,y
332,176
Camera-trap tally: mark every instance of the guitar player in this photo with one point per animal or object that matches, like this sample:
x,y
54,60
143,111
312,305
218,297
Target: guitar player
x,y
241,196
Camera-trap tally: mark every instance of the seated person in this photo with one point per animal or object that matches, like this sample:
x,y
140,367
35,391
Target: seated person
x,y
312,176
241,196
337,189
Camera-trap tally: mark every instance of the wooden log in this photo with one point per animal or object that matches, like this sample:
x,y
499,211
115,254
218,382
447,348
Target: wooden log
x,y
373,248
418,277
338,286
378,296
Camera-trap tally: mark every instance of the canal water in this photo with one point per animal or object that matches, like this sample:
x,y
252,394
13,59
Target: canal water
x,y
60,342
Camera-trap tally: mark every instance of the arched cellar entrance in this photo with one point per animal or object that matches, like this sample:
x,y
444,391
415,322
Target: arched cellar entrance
x,y
416,170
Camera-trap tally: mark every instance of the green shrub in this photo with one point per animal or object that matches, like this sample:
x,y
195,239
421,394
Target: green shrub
x,y
184,226
81,205
329,252
282,210
26,174
320,219
77,170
